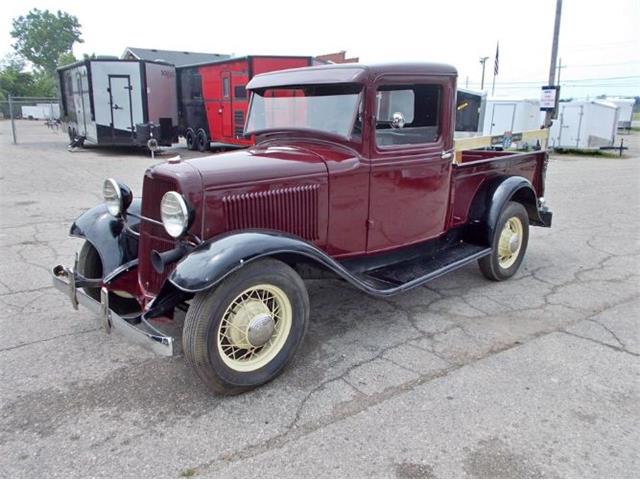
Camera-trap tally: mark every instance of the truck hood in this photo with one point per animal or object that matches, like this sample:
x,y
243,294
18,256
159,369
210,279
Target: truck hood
x,y
259,163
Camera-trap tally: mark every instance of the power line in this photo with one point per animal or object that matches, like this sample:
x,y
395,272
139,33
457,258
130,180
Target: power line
x,y
597,79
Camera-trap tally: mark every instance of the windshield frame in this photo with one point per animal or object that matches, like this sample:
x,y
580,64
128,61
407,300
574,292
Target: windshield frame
x,y
351,138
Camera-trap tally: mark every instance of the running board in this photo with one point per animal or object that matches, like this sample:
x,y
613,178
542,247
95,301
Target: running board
x,y
413,273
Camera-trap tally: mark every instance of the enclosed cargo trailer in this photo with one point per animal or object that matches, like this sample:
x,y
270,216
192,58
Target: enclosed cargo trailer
x,y
119,102
585,125
470,112
213,101
625,110
511,115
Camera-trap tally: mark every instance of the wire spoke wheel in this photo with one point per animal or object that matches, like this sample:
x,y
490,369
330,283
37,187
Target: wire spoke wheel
x,y
254,328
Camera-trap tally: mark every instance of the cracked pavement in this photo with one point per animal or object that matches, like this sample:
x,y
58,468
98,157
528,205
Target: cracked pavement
x,y
536,376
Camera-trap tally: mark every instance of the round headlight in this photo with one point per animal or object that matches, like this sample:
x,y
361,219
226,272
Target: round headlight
x,y
174,214
112,196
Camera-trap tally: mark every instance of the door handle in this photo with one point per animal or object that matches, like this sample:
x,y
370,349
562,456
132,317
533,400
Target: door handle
x,y
116,107
446,155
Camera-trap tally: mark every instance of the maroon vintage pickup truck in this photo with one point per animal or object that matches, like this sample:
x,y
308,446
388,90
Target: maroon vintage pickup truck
x,y
354,176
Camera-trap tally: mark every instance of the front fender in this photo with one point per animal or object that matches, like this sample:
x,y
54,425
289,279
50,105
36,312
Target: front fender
x,y
215,259
115,245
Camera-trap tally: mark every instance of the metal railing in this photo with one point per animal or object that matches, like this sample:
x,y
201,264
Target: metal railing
x,y
37,108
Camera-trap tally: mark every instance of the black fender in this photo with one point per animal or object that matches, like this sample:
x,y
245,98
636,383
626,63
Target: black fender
x,y
491,199
115,244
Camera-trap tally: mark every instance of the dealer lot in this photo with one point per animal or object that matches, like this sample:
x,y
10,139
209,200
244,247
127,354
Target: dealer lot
x,y
537,376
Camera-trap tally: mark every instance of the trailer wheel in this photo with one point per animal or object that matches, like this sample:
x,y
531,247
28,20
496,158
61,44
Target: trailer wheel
x,y
190,137
509,243
244,332
90,266
202,141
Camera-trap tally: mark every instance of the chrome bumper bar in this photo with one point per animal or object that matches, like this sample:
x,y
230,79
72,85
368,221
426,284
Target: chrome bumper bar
x,y
144,334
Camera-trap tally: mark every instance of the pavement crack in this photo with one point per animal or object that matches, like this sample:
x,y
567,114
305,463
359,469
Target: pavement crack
x,y
14,347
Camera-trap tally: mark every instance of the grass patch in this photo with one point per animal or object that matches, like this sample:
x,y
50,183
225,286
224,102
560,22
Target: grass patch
x,y
188,472
636,116
587,153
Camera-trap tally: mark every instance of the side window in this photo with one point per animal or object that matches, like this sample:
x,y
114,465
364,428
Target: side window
x,y
407,114
225,87
240,91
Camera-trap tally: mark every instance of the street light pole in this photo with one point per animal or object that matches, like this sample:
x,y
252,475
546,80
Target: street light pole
x,y
483,60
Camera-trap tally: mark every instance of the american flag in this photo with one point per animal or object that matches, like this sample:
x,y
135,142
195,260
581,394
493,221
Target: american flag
x,y
495,66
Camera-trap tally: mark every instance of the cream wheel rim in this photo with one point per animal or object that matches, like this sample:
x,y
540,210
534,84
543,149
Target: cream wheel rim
x,y
254,328
510,242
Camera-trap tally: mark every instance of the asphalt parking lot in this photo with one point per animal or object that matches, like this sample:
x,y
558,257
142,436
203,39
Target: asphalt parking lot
x,y
537,376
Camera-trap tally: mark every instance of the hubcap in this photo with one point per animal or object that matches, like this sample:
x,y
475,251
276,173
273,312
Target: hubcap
x,y
254,328
510,242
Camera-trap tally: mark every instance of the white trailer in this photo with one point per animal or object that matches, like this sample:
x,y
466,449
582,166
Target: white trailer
x,y
119,102
625,110
41,111
470,111
584,125
511,115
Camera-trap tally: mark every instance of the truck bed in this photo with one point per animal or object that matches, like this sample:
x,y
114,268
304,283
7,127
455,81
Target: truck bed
x,y
475,167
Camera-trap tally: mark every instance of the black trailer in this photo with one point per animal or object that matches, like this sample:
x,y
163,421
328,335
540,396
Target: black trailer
x,y
119,102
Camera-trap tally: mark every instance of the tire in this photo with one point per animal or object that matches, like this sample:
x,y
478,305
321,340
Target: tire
x,y
210,327
190,137
507,252
90,266
202,141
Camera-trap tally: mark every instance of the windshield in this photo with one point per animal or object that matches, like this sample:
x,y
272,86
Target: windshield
x,y
326,108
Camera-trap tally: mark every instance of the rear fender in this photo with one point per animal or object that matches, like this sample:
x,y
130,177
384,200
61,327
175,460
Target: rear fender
x,y
114,243
492,198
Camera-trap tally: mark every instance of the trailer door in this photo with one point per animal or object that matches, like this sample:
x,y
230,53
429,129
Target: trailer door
x,y
569,134
502,118
121,108
227,105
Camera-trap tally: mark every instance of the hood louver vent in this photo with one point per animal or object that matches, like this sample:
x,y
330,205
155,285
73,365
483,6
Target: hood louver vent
x,y
292,210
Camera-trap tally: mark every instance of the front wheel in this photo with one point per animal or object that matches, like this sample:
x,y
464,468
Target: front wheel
x,y
509,243
244,332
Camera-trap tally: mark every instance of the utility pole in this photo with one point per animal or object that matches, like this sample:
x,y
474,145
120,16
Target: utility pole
x,y
14,140
483,60
554,56
560,67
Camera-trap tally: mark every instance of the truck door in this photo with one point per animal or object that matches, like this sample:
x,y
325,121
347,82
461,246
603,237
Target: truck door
x,y
226,105
120,104
410,162
502,118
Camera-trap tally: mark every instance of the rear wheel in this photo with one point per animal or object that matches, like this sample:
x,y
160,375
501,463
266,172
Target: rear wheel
x,y
509,243
202,140
244,332
190,137
90,266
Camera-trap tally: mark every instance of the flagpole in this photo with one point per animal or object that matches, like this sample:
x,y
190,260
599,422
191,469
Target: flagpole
x,y
495,70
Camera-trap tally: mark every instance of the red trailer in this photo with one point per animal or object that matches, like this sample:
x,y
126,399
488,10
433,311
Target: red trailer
x,y
213,101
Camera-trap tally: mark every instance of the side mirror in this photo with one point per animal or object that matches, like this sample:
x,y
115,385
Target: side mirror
x,y
397,120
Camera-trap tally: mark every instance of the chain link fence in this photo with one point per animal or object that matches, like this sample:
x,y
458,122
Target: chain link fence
x,y
43,109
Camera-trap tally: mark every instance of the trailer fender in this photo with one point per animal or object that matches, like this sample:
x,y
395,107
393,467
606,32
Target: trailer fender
x,y
212,261
115,245
492,198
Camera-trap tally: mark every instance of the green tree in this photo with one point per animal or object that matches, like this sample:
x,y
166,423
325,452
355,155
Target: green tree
x,y
13,79
42,37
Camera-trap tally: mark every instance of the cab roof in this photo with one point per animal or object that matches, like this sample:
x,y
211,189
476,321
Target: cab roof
x,y
346,73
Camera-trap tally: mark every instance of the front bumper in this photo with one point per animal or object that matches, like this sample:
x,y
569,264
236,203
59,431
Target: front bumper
x,y
142,333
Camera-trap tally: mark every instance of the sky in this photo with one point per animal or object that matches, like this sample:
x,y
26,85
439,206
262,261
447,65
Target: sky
x,y
599,42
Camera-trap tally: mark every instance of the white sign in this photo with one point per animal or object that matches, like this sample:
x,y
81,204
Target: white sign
x,y
548,98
